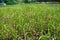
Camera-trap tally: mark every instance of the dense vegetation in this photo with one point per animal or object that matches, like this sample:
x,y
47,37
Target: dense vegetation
x,y
30,22
26,1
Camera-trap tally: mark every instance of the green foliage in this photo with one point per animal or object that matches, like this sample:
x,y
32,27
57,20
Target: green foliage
x,y
11,1
29,21
26,1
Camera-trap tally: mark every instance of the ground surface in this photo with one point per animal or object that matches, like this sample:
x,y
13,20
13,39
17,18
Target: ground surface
x,y
30,22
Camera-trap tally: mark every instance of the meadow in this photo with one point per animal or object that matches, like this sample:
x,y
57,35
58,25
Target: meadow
x,y
30,22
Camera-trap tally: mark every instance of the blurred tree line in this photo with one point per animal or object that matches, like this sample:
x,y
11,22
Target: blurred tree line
x,y
26,1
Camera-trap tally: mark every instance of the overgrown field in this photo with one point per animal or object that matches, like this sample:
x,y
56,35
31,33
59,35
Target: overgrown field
x,y
30,22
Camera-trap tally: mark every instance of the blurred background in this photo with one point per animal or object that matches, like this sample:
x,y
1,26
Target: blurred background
x,y
9,2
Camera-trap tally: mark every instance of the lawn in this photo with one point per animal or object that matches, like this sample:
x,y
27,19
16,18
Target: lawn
x,y
30,22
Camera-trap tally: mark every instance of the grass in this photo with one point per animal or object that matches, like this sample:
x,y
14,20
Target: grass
x,y
30,22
